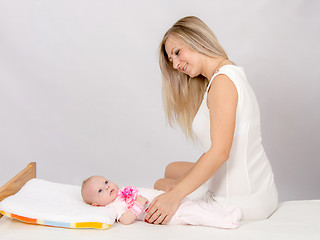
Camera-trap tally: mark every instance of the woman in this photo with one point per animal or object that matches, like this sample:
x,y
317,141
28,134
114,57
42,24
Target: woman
x,y
210,98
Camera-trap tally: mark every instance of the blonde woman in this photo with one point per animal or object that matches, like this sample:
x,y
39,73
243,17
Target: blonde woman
x,y
212,101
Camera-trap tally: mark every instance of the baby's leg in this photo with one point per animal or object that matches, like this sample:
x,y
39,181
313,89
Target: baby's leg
x,y
204,214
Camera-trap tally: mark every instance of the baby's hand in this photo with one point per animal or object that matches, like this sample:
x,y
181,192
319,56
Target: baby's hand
x,y
142,200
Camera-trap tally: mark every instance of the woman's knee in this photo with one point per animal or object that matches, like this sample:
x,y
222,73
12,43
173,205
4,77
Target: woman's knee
x,y
170,170
177,170
164,184
158,184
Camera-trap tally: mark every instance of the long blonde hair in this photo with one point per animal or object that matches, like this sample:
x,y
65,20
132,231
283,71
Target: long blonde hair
x,y
181,94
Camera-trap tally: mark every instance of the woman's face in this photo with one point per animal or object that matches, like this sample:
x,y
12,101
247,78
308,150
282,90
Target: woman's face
x,y
183,58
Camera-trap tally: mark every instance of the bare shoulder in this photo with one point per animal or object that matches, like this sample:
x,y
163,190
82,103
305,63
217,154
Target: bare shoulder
x,y
222,90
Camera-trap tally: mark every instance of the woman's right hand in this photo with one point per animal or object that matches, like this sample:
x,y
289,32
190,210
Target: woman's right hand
x,y
162,208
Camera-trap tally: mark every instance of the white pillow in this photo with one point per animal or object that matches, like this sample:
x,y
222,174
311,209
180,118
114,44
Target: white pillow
x,y
55,204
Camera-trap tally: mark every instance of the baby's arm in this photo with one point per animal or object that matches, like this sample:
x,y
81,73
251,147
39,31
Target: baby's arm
x,y
129,217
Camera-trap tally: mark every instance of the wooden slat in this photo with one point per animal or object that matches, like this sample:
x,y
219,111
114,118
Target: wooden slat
x,y
16,183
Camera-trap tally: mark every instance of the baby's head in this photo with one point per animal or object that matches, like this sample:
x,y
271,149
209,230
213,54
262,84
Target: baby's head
x,y
98,191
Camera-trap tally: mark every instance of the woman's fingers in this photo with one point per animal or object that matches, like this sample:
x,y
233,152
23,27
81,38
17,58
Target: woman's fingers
x,y
166,220
151,210
160,219
156,216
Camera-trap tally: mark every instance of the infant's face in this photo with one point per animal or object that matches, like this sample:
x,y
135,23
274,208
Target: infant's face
x,y
101,191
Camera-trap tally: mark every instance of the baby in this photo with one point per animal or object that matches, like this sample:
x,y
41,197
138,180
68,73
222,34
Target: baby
x,y
130,204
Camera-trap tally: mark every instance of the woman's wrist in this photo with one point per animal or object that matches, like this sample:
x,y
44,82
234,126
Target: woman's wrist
x,y
178,191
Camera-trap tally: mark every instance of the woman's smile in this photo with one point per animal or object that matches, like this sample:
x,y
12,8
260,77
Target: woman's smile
x,y
185,67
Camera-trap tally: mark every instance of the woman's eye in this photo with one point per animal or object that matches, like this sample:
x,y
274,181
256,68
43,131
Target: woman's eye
x,y
106,182
100,190
177,52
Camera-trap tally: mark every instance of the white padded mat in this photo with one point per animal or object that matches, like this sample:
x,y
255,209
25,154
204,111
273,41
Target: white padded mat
x,y
293,220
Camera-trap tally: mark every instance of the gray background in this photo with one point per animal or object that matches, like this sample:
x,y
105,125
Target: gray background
x,y
80,86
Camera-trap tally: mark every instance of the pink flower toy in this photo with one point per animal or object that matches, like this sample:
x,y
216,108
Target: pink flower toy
x,y
129,196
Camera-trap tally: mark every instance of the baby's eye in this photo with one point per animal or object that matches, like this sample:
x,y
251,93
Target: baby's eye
x,y
100,190
106,182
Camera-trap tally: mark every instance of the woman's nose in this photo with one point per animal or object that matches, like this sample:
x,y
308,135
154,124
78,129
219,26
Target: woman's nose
x,y
176,64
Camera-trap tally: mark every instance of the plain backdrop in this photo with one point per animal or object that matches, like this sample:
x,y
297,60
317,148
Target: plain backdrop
x,y
80,86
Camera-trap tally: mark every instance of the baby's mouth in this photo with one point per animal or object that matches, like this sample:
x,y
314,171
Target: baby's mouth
x,y
111,191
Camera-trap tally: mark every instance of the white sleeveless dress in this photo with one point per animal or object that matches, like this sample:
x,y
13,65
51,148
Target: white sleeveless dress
x,y
246,179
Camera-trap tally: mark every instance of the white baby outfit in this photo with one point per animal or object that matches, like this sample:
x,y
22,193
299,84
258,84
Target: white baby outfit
x,y
246,179
189,212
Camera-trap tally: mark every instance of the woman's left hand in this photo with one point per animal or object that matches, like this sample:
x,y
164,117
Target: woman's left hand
x,y
162,208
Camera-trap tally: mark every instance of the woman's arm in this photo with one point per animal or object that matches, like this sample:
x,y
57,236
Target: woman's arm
x,y
222,103
129,217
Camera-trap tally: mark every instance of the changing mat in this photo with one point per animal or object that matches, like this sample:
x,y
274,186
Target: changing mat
x,y
55,204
